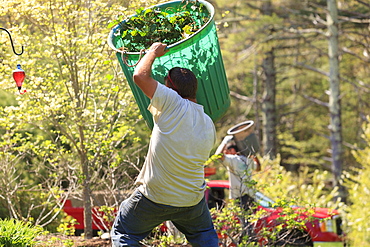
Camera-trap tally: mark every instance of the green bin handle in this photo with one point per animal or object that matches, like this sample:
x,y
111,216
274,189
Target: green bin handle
x,y
142,52
124,58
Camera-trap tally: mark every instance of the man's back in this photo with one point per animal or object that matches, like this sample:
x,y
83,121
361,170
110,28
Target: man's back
x,y
182,138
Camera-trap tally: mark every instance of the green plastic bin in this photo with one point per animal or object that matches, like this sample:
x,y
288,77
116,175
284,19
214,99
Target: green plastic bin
x,y
200,53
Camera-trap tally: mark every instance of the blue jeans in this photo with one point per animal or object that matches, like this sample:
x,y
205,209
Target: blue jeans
x,y
138,216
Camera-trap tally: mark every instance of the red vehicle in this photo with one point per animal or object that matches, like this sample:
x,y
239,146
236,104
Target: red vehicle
x,y
322,228
74,208
99,224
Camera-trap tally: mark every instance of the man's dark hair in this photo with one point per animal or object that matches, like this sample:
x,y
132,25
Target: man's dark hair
x,y
232,146
185,82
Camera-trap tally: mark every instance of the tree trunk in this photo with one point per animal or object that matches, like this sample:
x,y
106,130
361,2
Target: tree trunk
x,y
268,101
268,107
334,97
256,104
88,233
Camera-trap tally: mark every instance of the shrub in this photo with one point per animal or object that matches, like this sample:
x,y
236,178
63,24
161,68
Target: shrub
x,y
233,226
309,188
236,227
67,225
358,185
15,233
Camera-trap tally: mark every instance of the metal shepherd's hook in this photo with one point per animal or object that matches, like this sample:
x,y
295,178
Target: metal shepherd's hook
x,y
11,41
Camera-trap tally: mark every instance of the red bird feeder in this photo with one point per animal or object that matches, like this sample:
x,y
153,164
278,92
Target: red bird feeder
x,y
19,75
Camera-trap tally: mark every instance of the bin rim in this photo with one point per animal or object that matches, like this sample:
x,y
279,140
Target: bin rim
x,y
208,5
236,128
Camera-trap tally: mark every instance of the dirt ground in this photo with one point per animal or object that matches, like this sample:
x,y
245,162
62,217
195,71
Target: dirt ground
x,y
72,241
78,241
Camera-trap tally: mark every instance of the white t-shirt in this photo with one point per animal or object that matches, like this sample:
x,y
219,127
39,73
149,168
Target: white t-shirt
x,y
240,171
182,138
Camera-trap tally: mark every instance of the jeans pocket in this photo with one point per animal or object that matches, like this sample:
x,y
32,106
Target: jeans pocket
x,y
136,199
130,203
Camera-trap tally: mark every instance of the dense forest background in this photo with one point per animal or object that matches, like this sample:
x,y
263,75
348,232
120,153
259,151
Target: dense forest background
x,y
299,69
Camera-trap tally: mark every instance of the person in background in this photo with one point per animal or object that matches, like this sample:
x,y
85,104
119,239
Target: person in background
x,y
240,170
171,183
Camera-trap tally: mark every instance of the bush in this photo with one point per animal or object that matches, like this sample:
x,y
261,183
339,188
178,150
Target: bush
x,y
358,185
307,187
40,207
15,233
251,228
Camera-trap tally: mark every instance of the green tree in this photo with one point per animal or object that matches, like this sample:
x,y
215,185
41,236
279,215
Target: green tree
x,y
298,34
80,114
39,201
359,195
334,97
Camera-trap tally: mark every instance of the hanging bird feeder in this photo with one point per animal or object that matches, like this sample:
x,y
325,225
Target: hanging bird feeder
x,y
19,75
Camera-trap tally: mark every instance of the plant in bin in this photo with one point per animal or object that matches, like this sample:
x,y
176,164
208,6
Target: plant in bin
x,y
156,25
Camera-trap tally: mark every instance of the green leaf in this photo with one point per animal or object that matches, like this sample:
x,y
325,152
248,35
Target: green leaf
x,y
187,29
142,34
109,77
139,10
134,32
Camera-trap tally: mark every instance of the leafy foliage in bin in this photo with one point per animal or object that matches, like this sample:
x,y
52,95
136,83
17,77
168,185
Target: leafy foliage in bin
x,y
168,26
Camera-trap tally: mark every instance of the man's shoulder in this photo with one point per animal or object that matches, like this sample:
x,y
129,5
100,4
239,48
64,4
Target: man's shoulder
x,y
237,158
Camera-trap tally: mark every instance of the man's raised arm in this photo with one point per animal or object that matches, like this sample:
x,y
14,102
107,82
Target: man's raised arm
x,y
143,71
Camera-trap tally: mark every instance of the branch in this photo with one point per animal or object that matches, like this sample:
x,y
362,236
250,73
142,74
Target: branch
x,y
253,7
348,51
236,19
363,86
241,97
327,166
307,30
362,2
354,20
317,101
302,65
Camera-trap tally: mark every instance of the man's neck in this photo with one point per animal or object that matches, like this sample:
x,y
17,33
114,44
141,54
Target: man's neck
x,y
192,100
